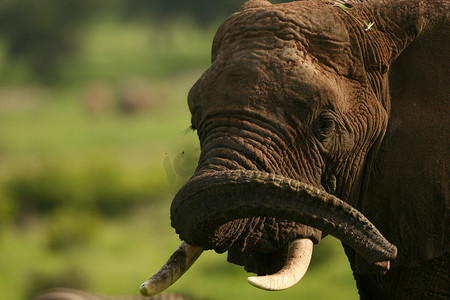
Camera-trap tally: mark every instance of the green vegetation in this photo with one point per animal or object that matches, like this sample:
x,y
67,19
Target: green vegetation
x,y
86,181
346,8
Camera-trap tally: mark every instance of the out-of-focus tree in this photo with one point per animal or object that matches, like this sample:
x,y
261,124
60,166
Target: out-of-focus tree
x,y
41,32
202,11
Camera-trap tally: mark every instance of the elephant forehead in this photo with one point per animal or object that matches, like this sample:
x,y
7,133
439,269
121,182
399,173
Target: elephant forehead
x,y
288,26
254,81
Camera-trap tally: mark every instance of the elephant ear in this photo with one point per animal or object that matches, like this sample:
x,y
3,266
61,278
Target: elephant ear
x,y
406,189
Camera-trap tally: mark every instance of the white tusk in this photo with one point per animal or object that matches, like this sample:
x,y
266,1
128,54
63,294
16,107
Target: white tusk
x,y
180,261
297,263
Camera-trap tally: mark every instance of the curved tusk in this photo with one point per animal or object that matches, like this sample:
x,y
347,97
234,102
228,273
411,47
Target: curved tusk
x,y
297,263
180,261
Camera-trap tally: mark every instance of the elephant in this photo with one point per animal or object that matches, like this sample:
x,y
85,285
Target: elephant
x,y
321,118
71,294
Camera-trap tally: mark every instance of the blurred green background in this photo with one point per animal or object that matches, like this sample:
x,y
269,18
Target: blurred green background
x,y
95,141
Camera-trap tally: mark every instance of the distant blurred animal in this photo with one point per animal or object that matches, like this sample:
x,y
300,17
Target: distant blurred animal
x,y
70,294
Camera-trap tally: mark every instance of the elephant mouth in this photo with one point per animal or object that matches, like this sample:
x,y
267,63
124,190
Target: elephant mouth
x,y
260,244
210,210
208,201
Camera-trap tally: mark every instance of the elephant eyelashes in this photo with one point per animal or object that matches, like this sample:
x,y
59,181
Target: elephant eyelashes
x,y
193,127
325,126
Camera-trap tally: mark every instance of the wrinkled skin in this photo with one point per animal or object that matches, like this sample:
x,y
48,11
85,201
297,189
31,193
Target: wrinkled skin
x,y
302,90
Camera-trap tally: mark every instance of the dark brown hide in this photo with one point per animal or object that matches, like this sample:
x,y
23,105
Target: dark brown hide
x,y
304,91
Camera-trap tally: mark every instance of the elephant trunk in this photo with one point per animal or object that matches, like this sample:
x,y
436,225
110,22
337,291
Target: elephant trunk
x,y
214,198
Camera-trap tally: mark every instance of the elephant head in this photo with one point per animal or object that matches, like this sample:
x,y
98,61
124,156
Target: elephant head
x,y
318,119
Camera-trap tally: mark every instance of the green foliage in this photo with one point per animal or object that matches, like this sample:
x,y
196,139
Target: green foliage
x,y
42,32
108,193
42,37
91,188
152,49
102,189
347,8
41,193
42,281
8,209
69,229
203,11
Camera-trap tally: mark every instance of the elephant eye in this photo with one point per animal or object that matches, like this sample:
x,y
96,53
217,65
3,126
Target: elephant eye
x,y
325,126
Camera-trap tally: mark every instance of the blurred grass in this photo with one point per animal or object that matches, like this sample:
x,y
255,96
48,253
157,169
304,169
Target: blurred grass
x,y
153,51
126,252
68,163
